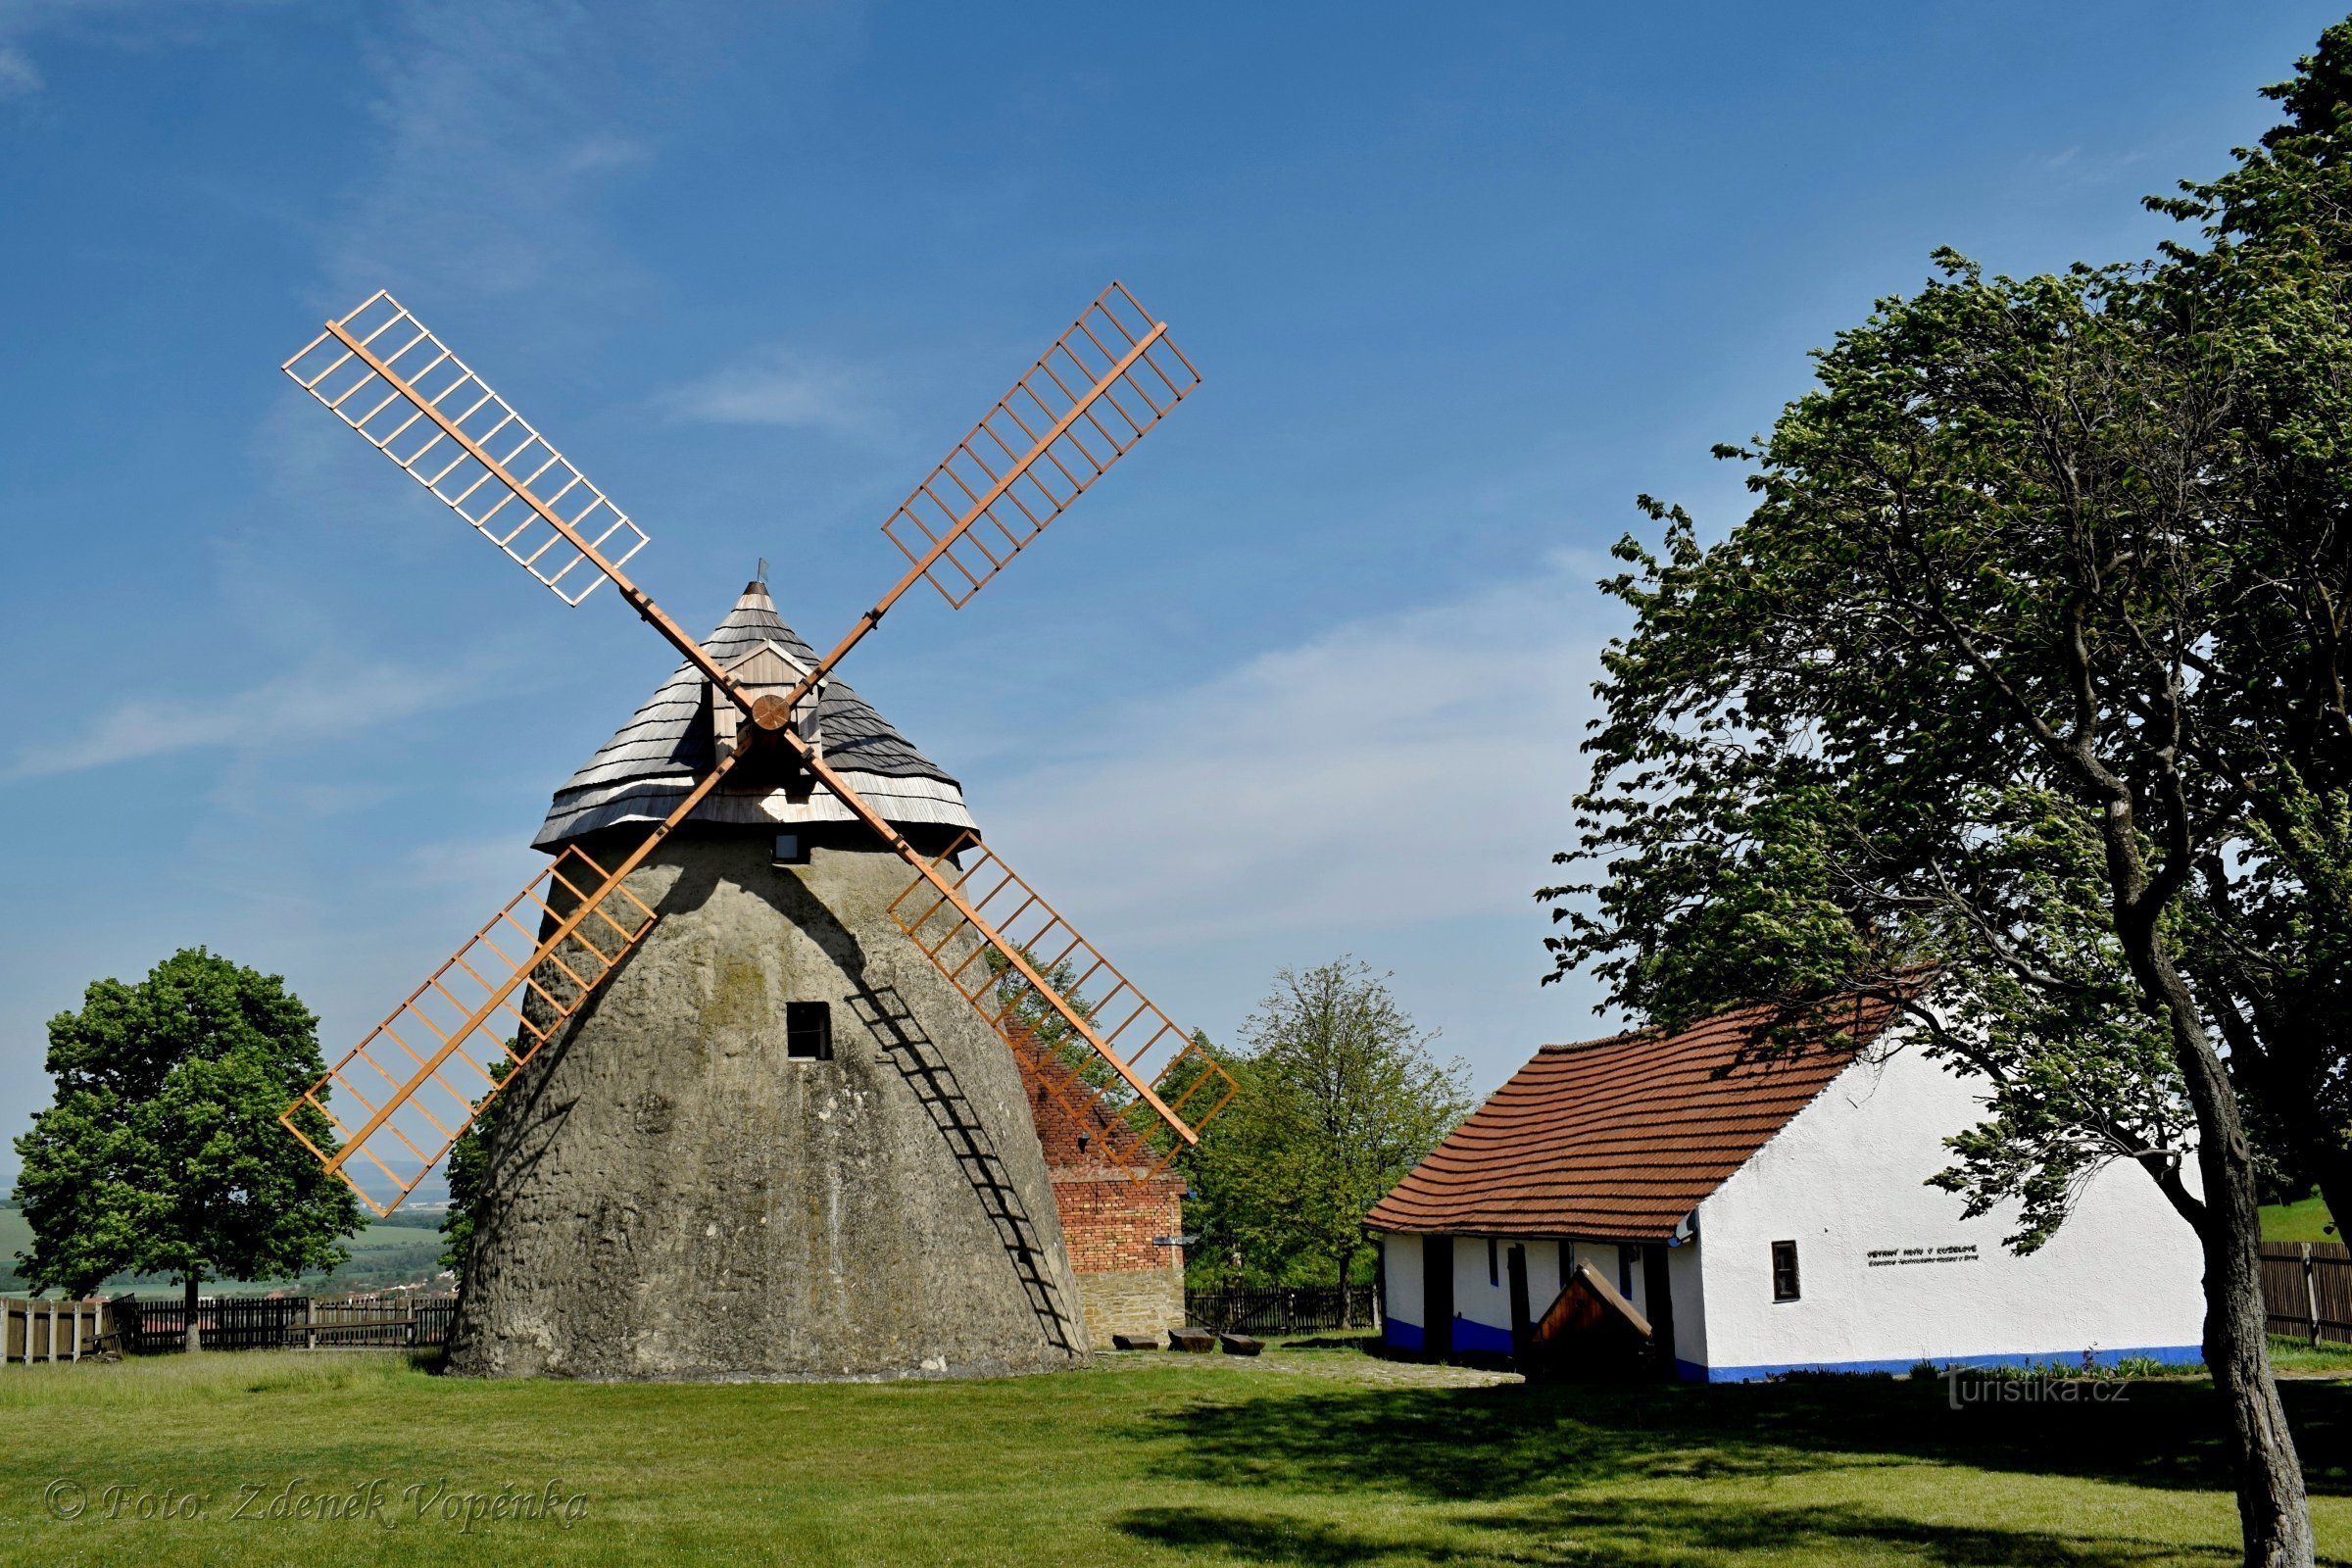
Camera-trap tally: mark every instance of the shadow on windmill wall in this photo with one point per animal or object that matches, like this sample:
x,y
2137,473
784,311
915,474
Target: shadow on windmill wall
x,y
927,1072
527,1123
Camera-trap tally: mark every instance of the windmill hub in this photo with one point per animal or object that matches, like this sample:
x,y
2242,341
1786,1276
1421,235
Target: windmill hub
x,y
770,712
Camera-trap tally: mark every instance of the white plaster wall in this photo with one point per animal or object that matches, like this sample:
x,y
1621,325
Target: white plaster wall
x,y
1400,1263
1543,1276
1474,1296
1845,1179
1488,1301
1686,1282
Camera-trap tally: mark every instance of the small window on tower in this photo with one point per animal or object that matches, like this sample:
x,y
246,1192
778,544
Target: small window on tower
x,y
792,849
808,1031
1783,1271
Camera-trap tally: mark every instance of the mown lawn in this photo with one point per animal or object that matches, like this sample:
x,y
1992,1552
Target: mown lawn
x,y
1146,1459
2306,1221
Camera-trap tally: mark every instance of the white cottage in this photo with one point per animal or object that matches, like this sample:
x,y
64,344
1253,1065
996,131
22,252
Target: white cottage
x,y
1764,1212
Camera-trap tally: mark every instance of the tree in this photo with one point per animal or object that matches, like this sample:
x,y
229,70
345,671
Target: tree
x,y
1939,700
2275,276
1339,1098
163,1153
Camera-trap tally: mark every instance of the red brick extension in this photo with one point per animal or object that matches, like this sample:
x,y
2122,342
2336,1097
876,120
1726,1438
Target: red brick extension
x,y
1107,1219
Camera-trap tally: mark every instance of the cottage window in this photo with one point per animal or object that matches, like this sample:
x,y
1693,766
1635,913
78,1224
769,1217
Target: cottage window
x,y
808,1031
1783,1271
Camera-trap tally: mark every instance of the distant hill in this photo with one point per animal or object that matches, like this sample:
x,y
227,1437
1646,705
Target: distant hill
x,y
404,1250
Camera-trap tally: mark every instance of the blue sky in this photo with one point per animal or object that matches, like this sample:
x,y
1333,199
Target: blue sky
x,y
1303,676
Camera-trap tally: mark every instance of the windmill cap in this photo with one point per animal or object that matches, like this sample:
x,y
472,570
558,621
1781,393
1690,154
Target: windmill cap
x,y
653,760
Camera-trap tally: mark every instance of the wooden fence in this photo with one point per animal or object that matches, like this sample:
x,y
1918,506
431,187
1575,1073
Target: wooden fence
x,y
2306,1290
1282,1309
68,1331
53,1331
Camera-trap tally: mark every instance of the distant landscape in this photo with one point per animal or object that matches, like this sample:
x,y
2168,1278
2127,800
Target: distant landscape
x,y
404,1250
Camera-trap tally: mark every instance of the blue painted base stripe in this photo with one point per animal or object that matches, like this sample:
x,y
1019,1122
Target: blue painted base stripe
x,y
2169,1355
1469,1334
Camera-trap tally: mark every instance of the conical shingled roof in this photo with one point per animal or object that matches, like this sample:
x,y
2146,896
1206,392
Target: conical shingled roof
x,y
653,760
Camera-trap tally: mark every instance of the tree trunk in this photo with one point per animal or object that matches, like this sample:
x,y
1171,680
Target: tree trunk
x,y
1347,1306
195,1340
2273,1514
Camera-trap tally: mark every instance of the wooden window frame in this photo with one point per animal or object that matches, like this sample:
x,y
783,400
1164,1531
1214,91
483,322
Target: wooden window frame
x,y
1788,1280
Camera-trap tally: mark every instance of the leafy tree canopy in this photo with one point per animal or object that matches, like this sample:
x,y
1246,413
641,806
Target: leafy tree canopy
x,y
163,1153
1339,1098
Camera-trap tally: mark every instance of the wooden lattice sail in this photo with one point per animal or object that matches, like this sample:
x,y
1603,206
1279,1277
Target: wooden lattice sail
x,y
1049,992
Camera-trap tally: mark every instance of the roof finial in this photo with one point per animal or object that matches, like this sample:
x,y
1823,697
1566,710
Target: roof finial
x,y
762,577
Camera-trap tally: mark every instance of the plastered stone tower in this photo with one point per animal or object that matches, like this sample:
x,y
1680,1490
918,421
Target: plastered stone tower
x,y
776,1144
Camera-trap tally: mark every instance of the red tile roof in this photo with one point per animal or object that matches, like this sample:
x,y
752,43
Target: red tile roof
x,y
1618,1138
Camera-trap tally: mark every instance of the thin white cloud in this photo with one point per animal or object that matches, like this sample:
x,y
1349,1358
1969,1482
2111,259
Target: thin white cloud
x,y
496,129
1391,774
17,77
796,391
322,701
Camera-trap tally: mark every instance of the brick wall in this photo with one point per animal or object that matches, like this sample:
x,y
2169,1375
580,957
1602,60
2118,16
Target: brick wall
x,y
1126,1285
1108,1221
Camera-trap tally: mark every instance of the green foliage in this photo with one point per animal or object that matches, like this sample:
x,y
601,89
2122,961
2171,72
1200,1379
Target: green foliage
x,y
1914,712
469,1161
2031,664
1339,1098
2273,947
163,1153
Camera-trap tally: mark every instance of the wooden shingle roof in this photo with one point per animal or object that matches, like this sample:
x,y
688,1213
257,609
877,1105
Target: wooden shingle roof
x,y
1618,1138
647,768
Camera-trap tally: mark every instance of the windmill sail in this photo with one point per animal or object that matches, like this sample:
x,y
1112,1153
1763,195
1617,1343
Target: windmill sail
x,y
422,1074
379,370
1049,993
1084,403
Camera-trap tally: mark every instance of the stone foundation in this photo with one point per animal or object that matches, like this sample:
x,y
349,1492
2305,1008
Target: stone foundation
x,y
1132,1301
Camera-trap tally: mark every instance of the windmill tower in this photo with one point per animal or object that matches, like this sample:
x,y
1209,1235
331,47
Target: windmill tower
x,y
762,1032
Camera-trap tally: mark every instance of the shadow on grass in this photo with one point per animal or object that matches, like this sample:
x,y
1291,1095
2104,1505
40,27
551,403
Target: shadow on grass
x,y
1507,1442
1641,1531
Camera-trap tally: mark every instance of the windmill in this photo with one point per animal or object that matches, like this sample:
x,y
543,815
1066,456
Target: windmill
x,y
745,1130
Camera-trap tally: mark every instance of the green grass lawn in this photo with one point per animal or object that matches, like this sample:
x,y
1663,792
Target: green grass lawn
x,y
1304,1458
2307,1221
